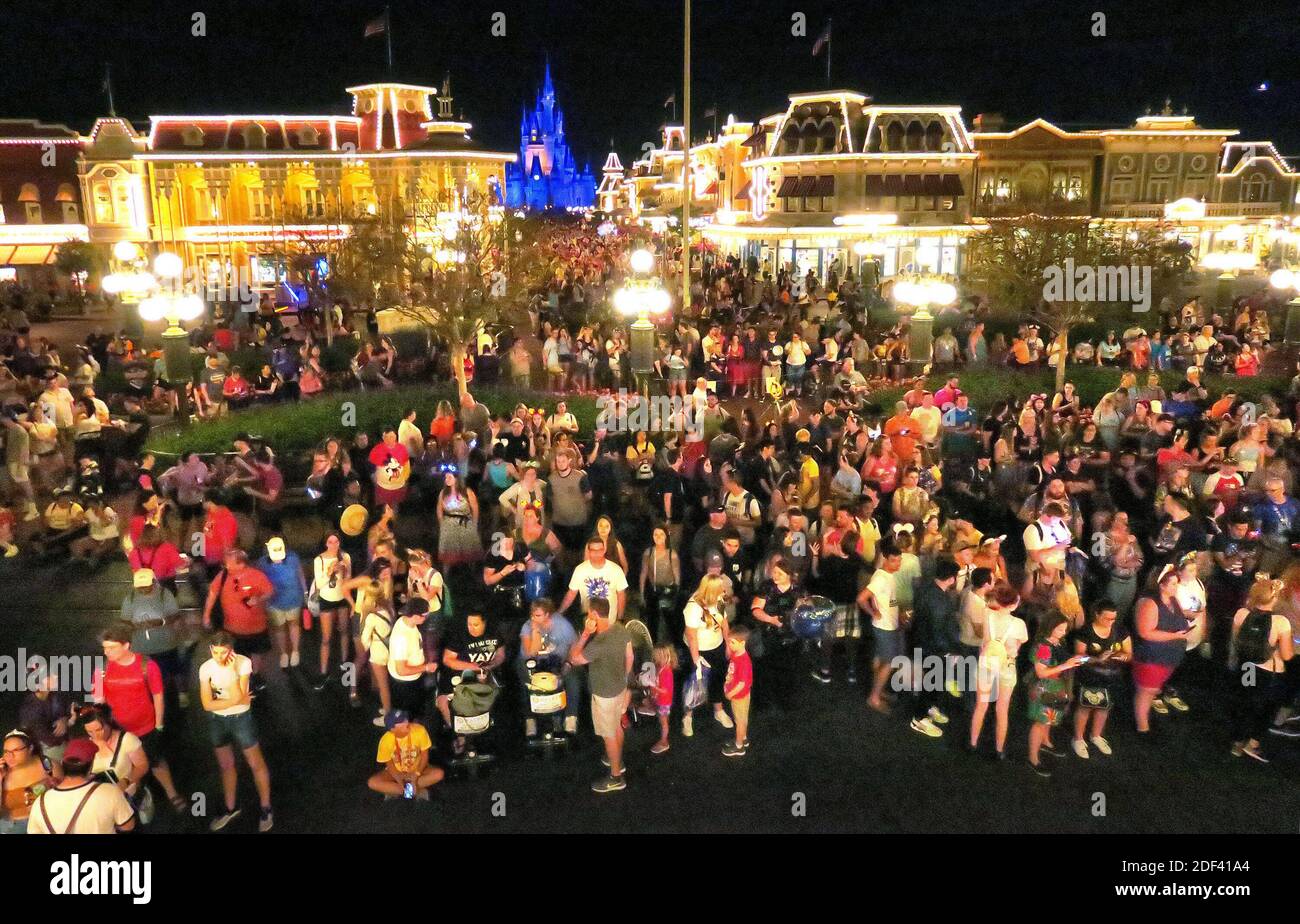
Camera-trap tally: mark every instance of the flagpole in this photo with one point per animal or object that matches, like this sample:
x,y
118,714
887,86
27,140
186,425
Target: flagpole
x,y
686,162
108,87
388,37
830,39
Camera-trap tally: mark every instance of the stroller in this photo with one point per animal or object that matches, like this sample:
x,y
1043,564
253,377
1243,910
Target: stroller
x,y
471,716
547,700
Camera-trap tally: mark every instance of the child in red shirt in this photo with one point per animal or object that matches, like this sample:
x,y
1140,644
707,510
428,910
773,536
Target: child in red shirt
x,y
737,687
665,659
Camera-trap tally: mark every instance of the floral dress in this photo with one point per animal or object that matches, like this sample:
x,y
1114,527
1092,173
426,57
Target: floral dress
x,y
1049,696
458,539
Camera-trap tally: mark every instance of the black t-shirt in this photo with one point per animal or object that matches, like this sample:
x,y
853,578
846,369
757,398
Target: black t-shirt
x,y
475,649
1224,544
496,561
777,602
514,448
667,481
1178,538
1097,673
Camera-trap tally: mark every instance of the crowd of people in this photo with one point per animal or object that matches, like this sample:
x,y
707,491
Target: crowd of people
x,y
936,554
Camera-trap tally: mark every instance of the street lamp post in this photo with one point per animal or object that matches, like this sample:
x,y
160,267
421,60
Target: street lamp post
x,y
1285,280
159,297
920,295
641,296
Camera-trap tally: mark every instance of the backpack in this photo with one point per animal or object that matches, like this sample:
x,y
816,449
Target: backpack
x,y
1253,645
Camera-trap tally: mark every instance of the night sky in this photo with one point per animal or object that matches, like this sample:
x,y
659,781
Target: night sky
x,y
615,62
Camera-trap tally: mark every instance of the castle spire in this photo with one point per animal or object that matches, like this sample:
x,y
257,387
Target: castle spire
x,y
548,88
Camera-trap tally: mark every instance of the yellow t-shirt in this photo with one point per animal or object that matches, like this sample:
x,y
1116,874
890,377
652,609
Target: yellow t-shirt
x,y
407,750
60,518
810,484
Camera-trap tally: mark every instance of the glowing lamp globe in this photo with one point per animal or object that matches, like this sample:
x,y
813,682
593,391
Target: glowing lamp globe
x,y
168,265
153,309
189,307
643,261
1282,279
125,251
943,293
659,301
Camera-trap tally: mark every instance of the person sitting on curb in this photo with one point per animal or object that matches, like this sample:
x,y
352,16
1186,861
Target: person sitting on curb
x,y
404,753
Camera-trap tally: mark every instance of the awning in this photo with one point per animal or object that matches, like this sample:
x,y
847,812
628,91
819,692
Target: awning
x,y
932,185
952,185
807,186
825,186
893,184
758,137
713,188
912,185
788,186
744,190
27,255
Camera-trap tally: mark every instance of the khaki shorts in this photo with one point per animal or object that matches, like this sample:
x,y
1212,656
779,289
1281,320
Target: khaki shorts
x,y
607,713
279,618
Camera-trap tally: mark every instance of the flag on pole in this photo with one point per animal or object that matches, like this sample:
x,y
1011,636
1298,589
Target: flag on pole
x,y
822,40
376,26
671,101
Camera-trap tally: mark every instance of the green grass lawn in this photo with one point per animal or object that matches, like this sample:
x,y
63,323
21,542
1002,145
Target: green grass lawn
x,y
300,425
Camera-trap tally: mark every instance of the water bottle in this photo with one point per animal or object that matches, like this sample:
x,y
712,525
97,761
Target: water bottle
x,y
408,791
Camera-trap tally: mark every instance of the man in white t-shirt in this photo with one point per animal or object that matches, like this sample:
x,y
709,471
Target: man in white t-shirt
x,y
880,599
79,804
407,664
224,689
1048,539
597,576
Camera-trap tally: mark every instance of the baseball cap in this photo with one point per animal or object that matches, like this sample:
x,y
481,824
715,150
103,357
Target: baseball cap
x,y
802,436
82,750
142,578
713,560
275,549
396,717
719,508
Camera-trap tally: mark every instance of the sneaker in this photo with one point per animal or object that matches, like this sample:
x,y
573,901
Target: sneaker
x,y
1254,753
265,821
730,750
1158,706
31,514
1101,744
1041,771
1177,702
1236,750
284,660
659,747
953,690
378,722
1291,718
1286,731
688,728
530,728
745,744
936,716
723,719
821,676
183,699
852,676
1051,751
609,784
11,551
570,724
926,727
294,659
1080,748
224,819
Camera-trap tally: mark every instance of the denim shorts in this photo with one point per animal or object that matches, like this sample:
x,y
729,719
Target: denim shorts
x,y
889,643
239,730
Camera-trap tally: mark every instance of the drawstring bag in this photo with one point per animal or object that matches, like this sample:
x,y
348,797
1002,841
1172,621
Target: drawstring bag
x,y
473,699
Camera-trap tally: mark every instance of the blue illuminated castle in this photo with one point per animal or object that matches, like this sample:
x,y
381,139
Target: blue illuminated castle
x,y
546,175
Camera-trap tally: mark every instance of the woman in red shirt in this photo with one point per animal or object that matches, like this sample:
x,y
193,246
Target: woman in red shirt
x,y
154,551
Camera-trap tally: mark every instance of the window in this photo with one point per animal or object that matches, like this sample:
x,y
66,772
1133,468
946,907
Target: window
x,y
313,202
259,204
102,197
1194,189
192,136
2,214
33,212
71,215
1257,189
1003,189
1074,191
254,137
1121,189
212,202
1159,189
307,135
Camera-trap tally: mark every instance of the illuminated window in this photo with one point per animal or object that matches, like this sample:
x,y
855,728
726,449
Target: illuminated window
x,y
71,215
307,135
1075,190
212,199
313,202
33,211
1121,189
259,204
192,136
102,202
1159,189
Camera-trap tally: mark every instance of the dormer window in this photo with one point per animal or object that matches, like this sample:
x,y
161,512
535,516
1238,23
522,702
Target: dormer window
x,y
308,136
192,136
254,137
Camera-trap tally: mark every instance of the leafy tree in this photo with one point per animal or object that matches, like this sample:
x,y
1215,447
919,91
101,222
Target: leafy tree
x,y
1012,260
73,258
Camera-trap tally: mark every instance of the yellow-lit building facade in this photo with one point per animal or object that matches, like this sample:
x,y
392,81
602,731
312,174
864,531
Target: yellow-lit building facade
x,y
236,195
839,181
